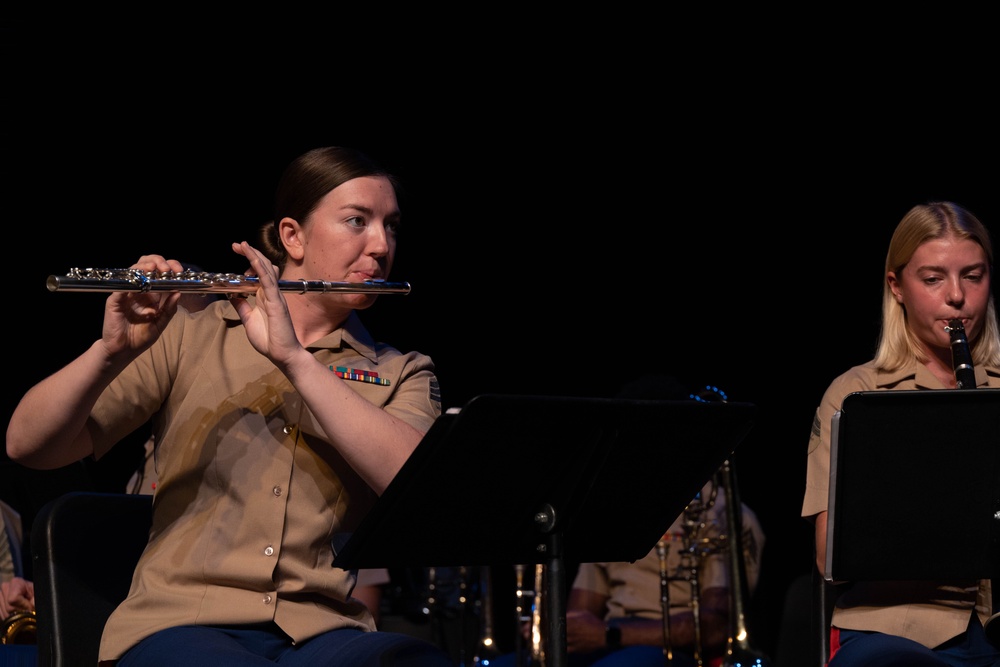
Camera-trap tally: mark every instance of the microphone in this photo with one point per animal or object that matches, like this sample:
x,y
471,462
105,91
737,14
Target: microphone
x,y
961,357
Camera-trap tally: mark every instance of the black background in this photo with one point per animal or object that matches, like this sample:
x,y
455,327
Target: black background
x,y
570,225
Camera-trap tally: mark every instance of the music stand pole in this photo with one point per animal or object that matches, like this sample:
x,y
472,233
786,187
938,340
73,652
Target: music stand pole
x,y
555,588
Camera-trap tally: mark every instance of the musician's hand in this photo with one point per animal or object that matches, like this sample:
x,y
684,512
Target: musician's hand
x,y
134,320
267,323
584,632
16,595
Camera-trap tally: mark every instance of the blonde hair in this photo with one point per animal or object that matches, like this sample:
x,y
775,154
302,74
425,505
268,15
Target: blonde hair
x,y
897,345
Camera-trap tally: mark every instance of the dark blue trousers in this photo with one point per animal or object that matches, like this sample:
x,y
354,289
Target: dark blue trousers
x,y
266,644
874,649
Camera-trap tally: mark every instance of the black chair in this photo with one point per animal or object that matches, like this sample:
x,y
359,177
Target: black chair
x,y
85,547
804,632
797,642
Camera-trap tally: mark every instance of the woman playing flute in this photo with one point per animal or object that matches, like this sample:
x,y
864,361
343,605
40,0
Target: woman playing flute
x,y
278,421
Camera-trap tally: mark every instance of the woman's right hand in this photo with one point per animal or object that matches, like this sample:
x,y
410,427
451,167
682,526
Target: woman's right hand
x,y
134,320
49,426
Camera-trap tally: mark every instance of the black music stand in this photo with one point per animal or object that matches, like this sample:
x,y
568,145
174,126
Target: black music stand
x,y
906,465
533,479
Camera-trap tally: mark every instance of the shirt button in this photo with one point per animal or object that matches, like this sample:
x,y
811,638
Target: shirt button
x,y
288,429
269,551
276,490
266,599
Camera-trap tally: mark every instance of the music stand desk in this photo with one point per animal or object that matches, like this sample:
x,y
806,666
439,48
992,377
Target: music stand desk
x,y
915,486
513,479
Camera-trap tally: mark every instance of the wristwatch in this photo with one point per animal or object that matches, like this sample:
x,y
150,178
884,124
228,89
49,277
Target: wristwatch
x,y
613,636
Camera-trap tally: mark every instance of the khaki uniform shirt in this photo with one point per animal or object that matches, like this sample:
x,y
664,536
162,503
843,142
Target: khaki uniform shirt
x,y
926,612
633,589
252,502
11,542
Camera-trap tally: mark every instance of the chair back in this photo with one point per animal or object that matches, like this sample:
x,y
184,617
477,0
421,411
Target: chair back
x,y
85,547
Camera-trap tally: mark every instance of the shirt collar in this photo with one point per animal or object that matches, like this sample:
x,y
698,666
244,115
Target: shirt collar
x,y
921,377
352,333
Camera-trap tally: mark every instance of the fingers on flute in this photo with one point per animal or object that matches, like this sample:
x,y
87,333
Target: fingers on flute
x,y
261,264
248,251
158,263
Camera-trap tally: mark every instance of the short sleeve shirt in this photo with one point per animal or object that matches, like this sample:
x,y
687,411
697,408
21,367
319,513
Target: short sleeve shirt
x,y
926,612
252,501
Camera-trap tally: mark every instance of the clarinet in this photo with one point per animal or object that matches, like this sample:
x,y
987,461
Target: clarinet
x,y
965,375
961,357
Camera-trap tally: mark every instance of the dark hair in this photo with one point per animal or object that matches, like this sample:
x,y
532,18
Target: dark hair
x,y
306,180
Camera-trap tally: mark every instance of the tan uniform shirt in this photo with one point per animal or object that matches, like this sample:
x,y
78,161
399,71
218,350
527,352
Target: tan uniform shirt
x,y
251,500
634,589
11,542
926,612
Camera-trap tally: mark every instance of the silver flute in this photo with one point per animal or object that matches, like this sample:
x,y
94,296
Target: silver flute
x,y
134,280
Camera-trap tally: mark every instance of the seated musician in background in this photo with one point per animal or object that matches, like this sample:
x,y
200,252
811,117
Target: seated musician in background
x,y
17,595
614,615
279,420
614,612
938,268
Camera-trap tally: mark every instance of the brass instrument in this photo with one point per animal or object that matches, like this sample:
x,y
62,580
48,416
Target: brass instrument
x,y
204,282
486,648
694,546
528,613
20,628
662,549
537,617
738,649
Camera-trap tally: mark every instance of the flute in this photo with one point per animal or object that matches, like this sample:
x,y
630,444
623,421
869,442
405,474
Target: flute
x,y
134,280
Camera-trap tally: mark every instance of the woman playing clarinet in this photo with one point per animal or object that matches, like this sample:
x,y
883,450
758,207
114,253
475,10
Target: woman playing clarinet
x,y
938,273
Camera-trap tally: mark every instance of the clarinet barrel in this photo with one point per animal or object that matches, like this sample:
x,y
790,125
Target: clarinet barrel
x,y
965,373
